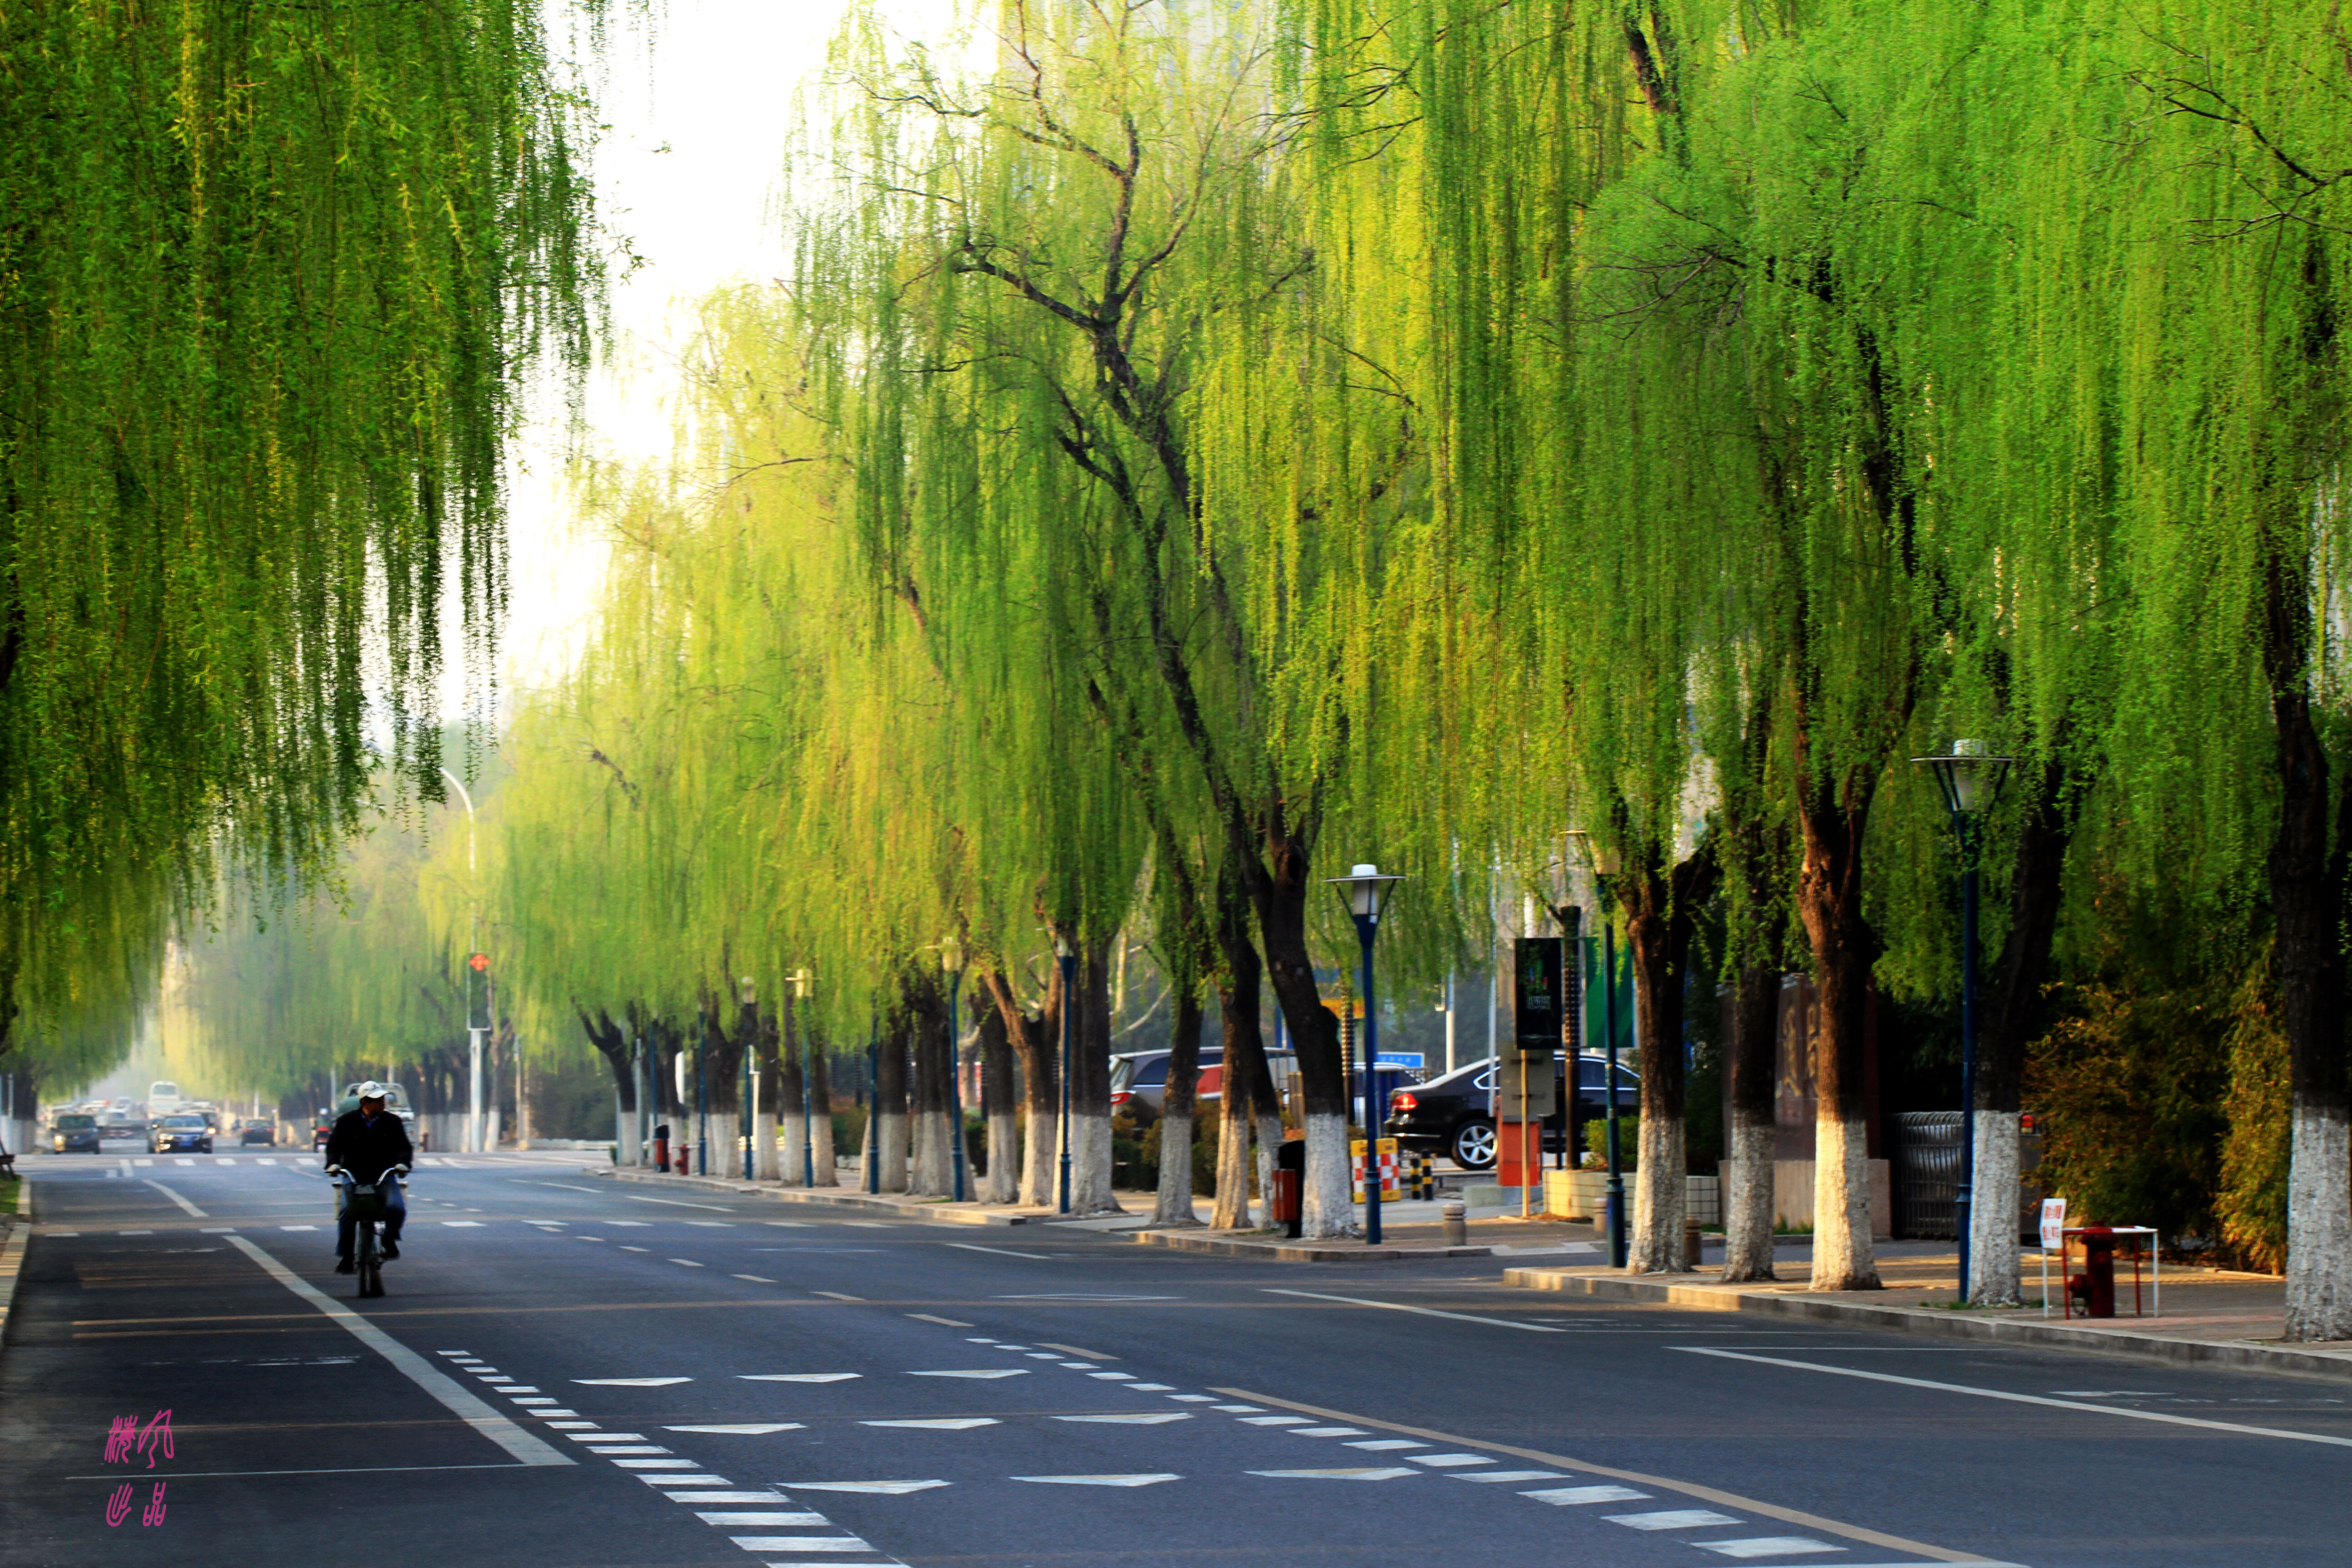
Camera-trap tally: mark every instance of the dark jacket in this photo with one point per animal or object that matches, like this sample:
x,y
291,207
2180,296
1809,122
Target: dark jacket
x,y
368,1151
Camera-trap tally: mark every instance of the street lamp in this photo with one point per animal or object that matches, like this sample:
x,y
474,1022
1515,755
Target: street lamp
x,y
748,994
1605,864
1068,957
951,960
796,989
702,1100
1967,777
1365,891
477,962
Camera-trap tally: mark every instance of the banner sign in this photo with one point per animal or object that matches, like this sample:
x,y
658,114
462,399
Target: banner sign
x,y
1540,981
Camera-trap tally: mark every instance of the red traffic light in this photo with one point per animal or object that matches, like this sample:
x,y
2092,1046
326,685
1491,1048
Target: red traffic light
x,y
478,961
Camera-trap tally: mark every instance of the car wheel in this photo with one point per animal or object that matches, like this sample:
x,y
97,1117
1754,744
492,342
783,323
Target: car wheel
x,y
1473,1144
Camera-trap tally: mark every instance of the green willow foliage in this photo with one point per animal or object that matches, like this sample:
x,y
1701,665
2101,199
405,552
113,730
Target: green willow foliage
x,y
270,278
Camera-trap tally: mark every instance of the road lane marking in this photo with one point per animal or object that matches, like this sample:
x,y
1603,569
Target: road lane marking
x,y
631,1382
1142,1481
918,1317
1690,1518
756,1278
798,1376
682,1204
988,1372
836,1294
178,1199
800,1544
1568,1497
726,1497
741,1518
1000,1251
689,1263
880,1489
1423,1312
743,1428
1687,1488
2025,1398
355,1470
938,1424
1073,1349
1156,1418
1386,1475
461,1401
1766,1546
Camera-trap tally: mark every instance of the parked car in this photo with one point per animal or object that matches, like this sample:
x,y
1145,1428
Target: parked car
x,y
74,1129
1139,1080
1448,1115
181,1134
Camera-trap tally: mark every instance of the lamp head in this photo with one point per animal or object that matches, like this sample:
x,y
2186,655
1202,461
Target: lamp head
x,y
1967,775
952,953
1062,948
746,992
799,980
1365,891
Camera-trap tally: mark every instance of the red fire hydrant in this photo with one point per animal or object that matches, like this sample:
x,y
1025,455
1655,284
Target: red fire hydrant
x,y
2094,1287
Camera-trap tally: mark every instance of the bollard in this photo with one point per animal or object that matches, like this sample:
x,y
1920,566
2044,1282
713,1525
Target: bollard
x,y
1450,1213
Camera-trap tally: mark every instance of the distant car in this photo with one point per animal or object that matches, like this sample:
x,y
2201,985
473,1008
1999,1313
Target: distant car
x,y
1139,1080
75,1130
257,1132
181,1134
1448,1115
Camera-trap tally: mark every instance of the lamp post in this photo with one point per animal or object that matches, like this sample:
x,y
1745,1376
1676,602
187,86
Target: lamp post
x,y
1366,890
474,1030
951,960
872,1161
1966,776
1068,957
749,996
702,1100
796,989
1604,862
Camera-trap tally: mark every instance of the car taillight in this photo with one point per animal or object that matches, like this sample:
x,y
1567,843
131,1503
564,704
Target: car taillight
x,y
1121,1097
1401,1100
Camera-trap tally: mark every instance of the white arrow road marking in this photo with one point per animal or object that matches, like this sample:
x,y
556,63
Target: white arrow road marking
x,y
991,1372
1100,1480
2022,1398
744,1430
883,1489
1389,1474
1154,1419
798,1376
1767,1546
631,1382
1685,1519
940,1423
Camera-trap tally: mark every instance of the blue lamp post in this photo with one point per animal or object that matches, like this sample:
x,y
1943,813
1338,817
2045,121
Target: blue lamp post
x,y
1966,776
1068,957
796,990
750,1025
1366,892
951,960
702,1100
1604,862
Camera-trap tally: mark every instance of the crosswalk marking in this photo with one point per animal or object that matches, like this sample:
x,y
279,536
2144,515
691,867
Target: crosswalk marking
x,y
1386,1475
882,1488
939,1423
1674,1519
1141,1481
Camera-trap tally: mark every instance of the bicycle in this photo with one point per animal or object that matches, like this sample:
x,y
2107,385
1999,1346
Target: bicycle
x,y
365,1204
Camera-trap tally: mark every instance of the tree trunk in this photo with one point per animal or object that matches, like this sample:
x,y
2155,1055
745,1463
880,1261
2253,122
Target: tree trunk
x,y
1747,1197
613,1045
768,1087
1829,901
1175,1205
999,1105
817,1156
2306,878
1091,1177
1031,1043
1279,889
1658,905
790,1095
890,1109
2011,1016
927,1101
1238,996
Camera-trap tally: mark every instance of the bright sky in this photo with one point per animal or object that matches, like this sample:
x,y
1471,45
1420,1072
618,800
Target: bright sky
x,y
699,107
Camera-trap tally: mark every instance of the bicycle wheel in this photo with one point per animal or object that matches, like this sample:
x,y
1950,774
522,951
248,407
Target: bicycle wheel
x,y
371,1264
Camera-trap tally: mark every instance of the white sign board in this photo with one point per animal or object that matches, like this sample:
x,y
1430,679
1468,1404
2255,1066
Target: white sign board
x,y
2053,1223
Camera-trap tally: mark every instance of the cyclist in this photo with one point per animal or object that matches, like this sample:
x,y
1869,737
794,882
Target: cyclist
x,y
367,1143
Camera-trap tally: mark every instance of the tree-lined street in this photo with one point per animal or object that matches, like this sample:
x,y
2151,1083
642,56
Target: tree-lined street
x,y
569,1371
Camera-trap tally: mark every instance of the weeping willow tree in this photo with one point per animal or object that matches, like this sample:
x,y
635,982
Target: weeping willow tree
x,y
270,279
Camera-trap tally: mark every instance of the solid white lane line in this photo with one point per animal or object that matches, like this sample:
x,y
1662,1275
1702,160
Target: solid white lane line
x,y
461,1401
1422,1311
682,1204
178,1199
1000,1251
1690,1489
2025,1398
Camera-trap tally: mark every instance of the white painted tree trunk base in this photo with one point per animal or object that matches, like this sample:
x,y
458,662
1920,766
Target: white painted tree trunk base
x,y
1090,1191
818,1157
934,1148
1002,1183
1326,1209
789,1163
890,1155
1747,1206
1037,1155
2319,1227
769,1167
1661,1199
1842,1256
1993,1218
1175,1205
624,1143
1233,1205
1269,1141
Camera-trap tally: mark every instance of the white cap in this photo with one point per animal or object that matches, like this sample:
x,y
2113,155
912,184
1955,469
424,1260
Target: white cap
x,y
371,1091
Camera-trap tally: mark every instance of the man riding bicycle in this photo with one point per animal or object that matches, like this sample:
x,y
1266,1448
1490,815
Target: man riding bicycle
x,y
366,1143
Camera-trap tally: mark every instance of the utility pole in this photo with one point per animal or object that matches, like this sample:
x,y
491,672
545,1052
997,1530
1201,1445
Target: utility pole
x,y
478,961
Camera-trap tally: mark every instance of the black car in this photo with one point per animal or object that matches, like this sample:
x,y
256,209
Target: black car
x,y
73,1132
1448,1115
258,1132
1139,1080
181,1134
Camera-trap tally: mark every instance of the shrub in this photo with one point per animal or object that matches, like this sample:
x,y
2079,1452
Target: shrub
x,y
2250,1210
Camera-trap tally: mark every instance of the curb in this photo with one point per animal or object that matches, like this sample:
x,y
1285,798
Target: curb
x,y
1297,1252
16,1235
946,1213
2244,1355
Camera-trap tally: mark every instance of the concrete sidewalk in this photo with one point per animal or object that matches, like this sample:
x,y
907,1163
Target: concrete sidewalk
x,y
2208,1315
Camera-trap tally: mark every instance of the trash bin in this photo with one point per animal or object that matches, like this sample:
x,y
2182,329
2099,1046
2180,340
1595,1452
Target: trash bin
x,y
1286,1205
661,1147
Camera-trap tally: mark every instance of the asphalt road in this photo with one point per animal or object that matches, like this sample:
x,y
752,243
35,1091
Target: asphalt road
x,y
568,1371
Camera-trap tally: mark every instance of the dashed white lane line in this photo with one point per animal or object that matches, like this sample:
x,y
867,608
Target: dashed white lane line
x,y
836,1294
1139,1480
943,1323
1000,1251
689,1263
985,1373
798,1376
184,1162
656,1464
630,1381
682,1204
1335,1432
1680,1519
755,1278
1445,1461
939,1423
1385,1475
1157,1418
298,1228
709,1496
1423,1312
134,1233
1196,1398
1266,1420
463,1223
743,1428
695,1480
1384,1444
879,1489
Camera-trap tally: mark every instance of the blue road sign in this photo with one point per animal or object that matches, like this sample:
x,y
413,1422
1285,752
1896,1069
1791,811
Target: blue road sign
x,y
1397,1060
